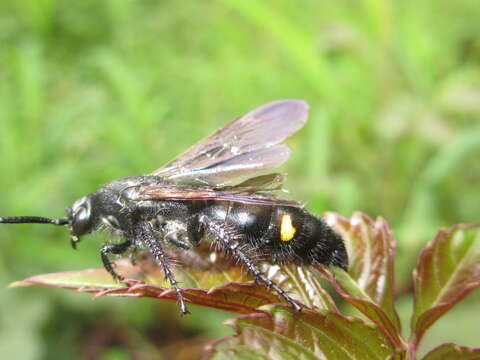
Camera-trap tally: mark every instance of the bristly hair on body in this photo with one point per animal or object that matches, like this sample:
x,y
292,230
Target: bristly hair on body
x,y
221,189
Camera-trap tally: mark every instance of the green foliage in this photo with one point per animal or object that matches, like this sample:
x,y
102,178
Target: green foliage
x,y
281,334
447,270
91,91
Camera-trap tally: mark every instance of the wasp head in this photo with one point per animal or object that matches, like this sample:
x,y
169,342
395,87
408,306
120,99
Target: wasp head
x,y
80,219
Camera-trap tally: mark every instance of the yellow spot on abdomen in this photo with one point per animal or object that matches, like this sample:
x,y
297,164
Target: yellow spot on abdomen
x,y
287,230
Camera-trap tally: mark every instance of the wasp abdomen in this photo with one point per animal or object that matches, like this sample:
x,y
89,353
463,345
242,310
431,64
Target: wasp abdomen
x,y
282,234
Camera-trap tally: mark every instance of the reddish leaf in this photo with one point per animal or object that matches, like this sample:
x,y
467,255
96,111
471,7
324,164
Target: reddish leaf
x,y
208,280
452,351
280,333
217,289
302,283
371,251
348,288
448,270
370,280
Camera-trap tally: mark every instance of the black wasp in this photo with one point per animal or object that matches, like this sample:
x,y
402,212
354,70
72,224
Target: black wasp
x,y
213,191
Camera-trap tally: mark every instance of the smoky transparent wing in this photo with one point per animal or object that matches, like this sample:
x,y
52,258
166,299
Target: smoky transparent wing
x,y
243,147
187,192
269,182
235,169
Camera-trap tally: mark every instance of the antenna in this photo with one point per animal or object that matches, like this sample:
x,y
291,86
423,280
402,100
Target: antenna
x,y
32,220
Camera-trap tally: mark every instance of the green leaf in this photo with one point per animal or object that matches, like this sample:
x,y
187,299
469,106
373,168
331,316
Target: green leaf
x,y
281,333
302,283
448,270
228,290
349,289
452,351
371,251
369,283
239,353
208,279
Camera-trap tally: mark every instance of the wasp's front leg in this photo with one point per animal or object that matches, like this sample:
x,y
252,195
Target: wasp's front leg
x,y
116,249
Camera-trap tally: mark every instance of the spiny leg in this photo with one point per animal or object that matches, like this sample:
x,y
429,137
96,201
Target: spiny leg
x,y
229,239
150,241
174,232
113,249
178,239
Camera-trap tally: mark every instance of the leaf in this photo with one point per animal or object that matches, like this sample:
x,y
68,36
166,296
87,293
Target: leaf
x,y
208,279
348,288
369,283
217,289
371,252
302,283
280,333
448,270
453,351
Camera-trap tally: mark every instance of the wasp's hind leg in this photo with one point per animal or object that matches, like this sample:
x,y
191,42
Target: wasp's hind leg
x,y
178,239
148,236
116,249
173,232
230,239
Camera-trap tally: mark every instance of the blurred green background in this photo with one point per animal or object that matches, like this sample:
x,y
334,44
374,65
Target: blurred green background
x,y
91,91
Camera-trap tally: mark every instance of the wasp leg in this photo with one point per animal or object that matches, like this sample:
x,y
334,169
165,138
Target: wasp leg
x,y
178,239
149,239
172,231
230,240
113,249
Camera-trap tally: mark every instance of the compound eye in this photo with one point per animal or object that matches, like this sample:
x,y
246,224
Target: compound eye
x,y
81,219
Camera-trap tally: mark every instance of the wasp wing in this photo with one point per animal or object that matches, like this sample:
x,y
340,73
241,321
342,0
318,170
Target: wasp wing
x,y
238,168
242,148
269,182
187,192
